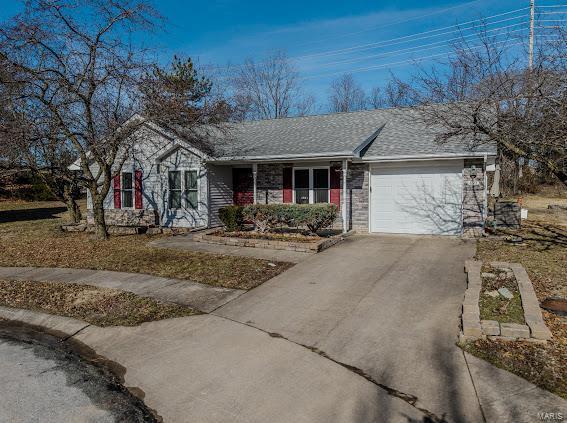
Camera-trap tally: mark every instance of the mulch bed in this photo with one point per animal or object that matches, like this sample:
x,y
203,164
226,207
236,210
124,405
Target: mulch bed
x,y
98,306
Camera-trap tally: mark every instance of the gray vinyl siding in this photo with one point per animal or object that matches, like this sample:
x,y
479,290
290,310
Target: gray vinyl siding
x,y
181,160
220,191
149,146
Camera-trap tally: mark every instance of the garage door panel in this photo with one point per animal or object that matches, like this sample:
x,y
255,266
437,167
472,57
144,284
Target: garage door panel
x,y
420,199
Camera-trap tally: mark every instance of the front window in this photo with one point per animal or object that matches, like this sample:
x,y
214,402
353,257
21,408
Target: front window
x,y
311,185
191,190
127,190
174,179
183,189
302,186
320,185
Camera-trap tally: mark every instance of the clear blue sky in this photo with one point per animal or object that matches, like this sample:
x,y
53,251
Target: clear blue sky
x,y
218,32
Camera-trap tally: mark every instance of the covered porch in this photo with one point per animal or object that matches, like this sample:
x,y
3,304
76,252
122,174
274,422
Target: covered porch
x,y
305,182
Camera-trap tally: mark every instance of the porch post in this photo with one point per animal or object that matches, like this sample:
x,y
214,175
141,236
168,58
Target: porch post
x,y
344,214
255,177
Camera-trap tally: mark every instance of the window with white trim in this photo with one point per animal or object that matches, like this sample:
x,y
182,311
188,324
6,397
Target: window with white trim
x,y
191,189
311,185
183,189
174,181
127,190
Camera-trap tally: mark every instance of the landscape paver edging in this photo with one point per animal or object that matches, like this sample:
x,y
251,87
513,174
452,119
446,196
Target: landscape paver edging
x,y
474,328
305,247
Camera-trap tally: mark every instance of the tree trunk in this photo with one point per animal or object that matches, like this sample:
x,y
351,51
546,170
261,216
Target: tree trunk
x,y
562,176
72,207
99,221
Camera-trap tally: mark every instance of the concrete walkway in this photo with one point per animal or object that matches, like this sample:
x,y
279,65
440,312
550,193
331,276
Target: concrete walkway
x,y
208,369
185,242
390,306
199,296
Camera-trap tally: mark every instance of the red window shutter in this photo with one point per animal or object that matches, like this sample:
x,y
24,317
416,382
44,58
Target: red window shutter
x,y
335,192
287,185
117,196
138,189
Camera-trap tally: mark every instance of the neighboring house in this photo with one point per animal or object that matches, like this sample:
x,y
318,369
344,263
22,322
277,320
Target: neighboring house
x,y
382,168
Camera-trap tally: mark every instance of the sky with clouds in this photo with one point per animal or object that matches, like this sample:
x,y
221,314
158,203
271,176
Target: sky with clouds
x,y
326,38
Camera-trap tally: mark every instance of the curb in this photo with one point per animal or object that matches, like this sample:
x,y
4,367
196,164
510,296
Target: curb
x,y
62,327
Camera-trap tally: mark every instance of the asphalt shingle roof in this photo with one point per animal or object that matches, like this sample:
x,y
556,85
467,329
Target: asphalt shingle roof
x,y
401,134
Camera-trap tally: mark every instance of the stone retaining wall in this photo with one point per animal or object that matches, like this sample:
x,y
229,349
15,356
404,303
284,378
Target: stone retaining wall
x,y
474,328
126,217
304,247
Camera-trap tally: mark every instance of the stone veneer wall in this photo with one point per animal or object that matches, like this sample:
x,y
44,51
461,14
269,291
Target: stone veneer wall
x,y
126,217
269,183
357,184
473,198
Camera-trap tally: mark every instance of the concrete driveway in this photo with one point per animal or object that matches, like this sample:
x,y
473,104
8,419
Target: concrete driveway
x,y
387,305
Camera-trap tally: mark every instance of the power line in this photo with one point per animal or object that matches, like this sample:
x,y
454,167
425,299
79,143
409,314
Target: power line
x,y
418,59
427,46
386,43
380,43
400,21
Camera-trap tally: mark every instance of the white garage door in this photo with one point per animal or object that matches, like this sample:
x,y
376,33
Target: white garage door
x,y
417,197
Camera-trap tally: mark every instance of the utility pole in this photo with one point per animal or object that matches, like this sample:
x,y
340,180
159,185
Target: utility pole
x,y
531,52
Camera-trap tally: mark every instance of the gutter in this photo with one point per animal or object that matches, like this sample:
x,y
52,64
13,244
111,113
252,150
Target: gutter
x,y
283,157
446,156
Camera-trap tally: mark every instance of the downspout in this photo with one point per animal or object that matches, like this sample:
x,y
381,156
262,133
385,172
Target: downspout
x,y
255,177
345,191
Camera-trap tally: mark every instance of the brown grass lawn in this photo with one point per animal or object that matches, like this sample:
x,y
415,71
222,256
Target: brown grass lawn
x,y
29,236
537,207
98,306
544,255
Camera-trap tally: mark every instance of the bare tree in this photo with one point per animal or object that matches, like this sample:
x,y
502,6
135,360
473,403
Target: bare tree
x,y
396,93
485,94
269,89
79,76
376,99
346,95
26,142
45,153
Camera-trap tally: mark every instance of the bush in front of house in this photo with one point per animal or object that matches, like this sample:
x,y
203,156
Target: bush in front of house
x,y
232,217
270,216
264,216
318,216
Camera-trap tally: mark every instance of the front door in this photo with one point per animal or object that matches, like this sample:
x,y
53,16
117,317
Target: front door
x,y
243,186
